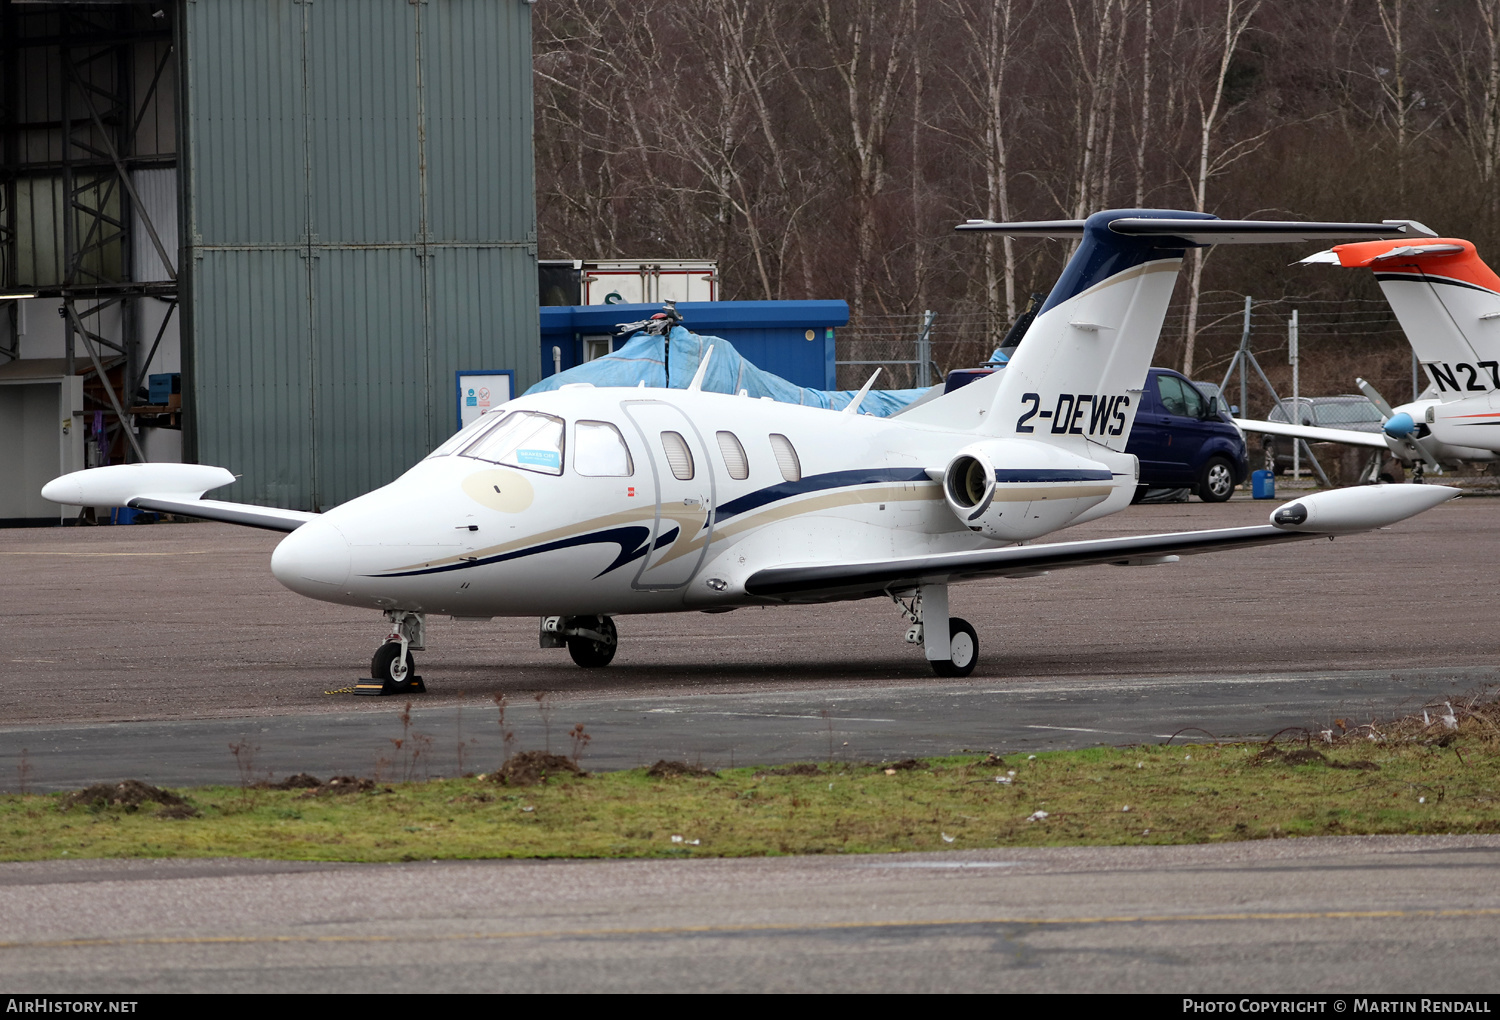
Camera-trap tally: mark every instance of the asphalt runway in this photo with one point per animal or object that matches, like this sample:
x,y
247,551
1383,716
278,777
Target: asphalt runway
x,y
145,651
842,724
1347,916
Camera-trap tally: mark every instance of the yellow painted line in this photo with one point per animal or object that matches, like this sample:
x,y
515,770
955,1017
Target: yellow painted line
x,y
733,929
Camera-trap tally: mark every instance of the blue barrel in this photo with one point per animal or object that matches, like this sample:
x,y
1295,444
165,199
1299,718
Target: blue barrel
x,y
1263,484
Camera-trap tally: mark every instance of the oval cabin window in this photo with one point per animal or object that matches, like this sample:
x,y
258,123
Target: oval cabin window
x,y
786,457
734,455
678,455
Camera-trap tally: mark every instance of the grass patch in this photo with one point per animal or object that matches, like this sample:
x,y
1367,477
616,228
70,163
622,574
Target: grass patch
x,y
1421,782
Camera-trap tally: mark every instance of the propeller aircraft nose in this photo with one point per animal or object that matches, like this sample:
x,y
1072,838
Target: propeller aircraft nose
x,y
312,559
1398,425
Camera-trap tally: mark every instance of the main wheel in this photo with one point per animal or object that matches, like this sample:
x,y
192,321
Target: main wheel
x,y
592,654
386,666
1216,481
963,650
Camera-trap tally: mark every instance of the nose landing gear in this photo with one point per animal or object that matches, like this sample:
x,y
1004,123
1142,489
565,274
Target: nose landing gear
x,y
591,640
392,669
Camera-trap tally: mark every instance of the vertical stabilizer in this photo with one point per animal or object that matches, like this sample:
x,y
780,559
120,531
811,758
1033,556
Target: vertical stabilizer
x,y
1447,301
1076,378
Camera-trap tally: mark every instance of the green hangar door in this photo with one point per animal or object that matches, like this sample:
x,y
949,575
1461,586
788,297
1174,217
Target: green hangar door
x,y
359,225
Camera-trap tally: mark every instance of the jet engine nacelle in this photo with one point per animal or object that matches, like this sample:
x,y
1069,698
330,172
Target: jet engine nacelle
x,y
1015,489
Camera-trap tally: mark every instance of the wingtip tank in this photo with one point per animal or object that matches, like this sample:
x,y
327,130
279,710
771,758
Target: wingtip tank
x,y
1363,508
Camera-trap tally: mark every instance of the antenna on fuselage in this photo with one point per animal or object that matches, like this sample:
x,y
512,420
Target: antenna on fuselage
x,y
859,397
697,383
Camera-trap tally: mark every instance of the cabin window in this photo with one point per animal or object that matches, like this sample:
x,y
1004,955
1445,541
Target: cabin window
x,y
468,433
678,455
526,439
734,455
599,451
786,458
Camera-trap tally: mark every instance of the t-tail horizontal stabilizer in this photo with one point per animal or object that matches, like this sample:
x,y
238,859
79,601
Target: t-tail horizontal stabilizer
x,y
1075,380
168,488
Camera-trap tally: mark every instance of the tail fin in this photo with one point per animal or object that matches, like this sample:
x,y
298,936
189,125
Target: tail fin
x,y
1076,378
1447,301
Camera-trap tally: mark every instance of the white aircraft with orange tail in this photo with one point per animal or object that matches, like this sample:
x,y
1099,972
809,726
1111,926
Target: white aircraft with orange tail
x,y
1448,303
583,504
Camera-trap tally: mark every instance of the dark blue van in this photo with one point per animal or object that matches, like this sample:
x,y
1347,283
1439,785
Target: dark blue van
x,y
1186,440
1183,439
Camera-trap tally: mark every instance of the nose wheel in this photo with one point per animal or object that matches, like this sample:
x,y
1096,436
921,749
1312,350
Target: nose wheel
x,y
392,668
387,665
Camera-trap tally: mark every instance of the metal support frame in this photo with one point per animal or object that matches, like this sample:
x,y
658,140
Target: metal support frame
x,y
99,119
1246,357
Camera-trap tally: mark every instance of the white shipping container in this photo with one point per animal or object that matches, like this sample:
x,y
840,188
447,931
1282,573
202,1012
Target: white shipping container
x,y
632,281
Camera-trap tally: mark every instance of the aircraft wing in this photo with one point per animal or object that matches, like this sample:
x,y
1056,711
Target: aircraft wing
x,y
1336,512
168,488
834,581
1314,434
246,514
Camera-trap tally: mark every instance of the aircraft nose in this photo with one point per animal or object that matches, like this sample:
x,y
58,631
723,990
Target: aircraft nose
x,y
1399,425
313,560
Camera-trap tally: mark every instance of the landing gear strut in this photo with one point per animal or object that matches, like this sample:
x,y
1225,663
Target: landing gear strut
x,y
392,668
930,624
591,640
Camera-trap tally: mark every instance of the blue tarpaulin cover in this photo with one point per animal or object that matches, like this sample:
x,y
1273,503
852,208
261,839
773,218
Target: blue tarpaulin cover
x,y
642,359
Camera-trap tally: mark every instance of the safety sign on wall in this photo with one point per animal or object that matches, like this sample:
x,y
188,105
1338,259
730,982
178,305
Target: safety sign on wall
x,y
480,391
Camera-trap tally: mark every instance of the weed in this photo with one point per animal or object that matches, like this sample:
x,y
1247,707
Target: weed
x,y
412,749
460,743
244,762
507,736
580,740
544,708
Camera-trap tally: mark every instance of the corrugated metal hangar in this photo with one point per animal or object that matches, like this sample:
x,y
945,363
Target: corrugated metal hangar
x,y
317,213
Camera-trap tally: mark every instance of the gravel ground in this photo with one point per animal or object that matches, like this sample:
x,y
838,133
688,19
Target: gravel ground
x,y
185,621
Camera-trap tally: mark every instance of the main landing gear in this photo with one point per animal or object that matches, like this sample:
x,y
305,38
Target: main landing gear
x,y
392,669
591,640
928,614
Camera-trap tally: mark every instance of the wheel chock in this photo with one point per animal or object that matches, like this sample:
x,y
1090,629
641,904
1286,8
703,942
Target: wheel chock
x,y
375,689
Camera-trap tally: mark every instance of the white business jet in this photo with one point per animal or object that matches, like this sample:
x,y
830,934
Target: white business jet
x,y
583,504
1448,303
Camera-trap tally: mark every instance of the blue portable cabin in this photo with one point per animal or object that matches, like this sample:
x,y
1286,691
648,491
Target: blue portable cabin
x,y
792,339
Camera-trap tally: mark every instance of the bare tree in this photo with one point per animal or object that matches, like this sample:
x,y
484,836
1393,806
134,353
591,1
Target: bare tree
x,y
1237,17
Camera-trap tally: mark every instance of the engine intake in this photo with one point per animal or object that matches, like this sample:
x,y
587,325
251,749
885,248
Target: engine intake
x,y
1040,488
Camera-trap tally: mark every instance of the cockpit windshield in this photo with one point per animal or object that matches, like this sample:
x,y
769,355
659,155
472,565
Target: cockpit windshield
x,y
528,440
466,435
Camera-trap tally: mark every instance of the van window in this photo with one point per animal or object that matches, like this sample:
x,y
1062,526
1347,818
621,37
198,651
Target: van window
x,y
599,451
786,457
678,455
526,439
734,455
1180,398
